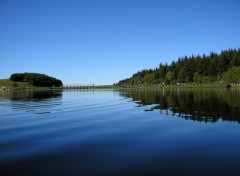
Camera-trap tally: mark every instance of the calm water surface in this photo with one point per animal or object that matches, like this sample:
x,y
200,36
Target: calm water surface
x,y
110,132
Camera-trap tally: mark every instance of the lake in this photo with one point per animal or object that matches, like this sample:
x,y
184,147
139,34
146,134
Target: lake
x,y
120,132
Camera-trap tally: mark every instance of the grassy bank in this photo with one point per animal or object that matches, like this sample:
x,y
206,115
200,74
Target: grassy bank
x,y
106,87
14,85
183,85
11,85
26,85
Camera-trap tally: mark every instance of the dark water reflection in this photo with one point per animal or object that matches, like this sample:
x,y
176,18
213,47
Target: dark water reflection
x,y
204,105
38,102
31,95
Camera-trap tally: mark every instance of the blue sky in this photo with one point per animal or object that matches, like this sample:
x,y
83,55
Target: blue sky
x,y
104,41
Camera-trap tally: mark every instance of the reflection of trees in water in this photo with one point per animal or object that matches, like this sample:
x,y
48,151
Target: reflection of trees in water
x,y
207,105
40,102
33,95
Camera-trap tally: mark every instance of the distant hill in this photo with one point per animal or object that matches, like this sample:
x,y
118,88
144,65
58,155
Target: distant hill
x,y
223,67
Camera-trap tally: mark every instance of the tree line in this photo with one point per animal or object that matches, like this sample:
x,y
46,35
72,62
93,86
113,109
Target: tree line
x,y
223,67
36,79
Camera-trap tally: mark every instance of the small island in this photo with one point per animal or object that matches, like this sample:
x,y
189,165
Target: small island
x,y
29,81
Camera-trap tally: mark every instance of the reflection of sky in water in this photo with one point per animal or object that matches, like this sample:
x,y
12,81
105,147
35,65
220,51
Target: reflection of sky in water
x,y
37,107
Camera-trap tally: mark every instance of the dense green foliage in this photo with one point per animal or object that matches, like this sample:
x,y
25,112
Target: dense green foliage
x,y
232,75
224,67
36,79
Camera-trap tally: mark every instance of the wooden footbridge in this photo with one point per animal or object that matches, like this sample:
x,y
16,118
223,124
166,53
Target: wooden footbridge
x,y
78,86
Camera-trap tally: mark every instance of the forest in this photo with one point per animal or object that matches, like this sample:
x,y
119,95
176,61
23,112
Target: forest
x,y
212,68
36,79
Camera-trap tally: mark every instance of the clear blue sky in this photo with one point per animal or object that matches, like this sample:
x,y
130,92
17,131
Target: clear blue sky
x,y
104,41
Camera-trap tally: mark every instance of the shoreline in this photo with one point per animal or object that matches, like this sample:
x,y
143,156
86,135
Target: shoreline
x,y
7,89
8,85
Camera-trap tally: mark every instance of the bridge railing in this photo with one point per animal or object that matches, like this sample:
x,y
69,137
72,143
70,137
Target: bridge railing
x,y
78,86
